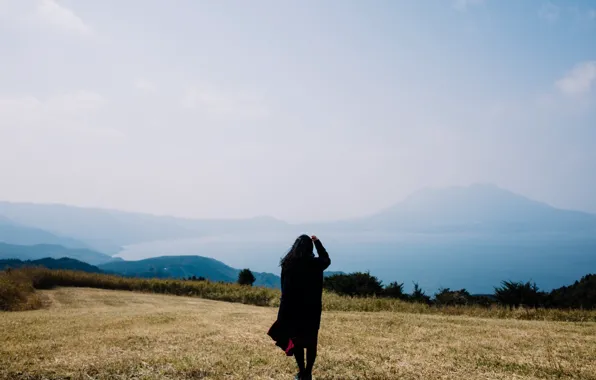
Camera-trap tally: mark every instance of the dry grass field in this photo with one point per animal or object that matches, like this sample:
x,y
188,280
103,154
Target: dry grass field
x,y
103,334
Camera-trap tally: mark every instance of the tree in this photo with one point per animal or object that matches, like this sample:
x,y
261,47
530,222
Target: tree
x,y
514,294
395,290
580,295
418,295
354,284
245,277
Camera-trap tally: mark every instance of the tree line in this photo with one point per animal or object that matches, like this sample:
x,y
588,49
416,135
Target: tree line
x,y
580,295
245,277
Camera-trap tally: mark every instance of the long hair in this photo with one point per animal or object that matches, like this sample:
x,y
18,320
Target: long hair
x,y
302,249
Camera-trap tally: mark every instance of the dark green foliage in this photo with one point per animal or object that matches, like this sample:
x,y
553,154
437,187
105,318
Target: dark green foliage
x,y
483,300
50,263
515,294
580,295
418,295
245,277
195,278
354,284
447,297
395,290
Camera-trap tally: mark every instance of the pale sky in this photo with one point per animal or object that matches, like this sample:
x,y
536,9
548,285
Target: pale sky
x,y
301,110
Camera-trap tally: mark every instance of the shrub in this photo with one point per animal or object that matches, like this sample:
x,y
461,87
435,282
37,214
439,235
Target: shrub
x,y
354,284
447,297
17,292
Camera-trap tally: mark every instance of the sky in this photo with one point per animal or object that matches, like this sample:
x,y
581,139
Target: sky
x,y
300,110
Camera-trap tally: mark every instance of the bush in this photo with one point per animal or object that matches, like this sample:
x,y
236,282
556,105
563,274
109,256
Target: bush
x,y
17,292
354,285
447,297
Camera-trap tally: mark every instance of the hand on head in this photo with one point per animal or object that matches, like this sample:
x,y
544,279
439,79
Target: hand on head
x,y
314,238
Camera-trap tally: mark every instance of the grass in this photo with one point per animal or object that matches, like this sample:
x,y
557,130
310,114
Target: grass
x,y
84,334
28,279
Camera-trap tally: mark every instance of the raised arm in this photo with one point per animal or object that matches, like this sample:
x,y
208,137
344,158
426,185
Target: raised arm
x,y
323,259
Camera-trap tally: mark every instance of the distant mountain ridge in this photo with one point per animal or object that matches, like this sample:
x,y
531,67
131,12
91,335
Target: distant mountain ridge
x,y
184,267
50,263
475,208
40,251
16,233
108,230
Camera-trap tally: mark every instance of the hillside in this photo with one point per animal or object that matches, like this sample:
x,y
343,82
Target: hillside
x,y
109,230
15,233
134,335
184,267
581,294
50,263
40,251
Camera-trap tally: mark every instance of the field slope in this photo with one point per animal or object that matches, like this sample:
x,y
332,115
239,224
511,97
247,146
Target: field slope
x,y
102,334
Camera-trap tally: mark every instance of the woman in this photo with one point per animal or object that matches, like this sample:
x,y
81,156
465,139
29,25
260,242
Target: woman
x,y
299,316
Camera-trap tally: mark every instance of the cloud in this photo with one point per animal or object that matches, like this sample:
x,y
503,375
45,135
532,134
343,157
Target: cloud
x,y
579,80
64,113
549,12
219,104
463,5
68,103
75,102
146,86
592,14
56,15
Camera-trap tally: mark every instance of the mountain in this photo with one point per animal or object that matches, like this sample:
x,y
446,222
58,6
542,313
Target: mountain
x,y
476,208
159,267
473,237
109,230
184,267
51,263
39,251
15,233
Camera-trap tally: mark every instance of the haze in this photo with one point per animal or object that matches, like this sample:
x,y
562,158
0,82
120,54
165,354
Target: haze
x,y
304,111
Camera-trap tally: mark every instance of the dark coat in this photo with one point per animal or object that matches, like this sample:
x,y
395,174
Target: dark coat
x,y
299,315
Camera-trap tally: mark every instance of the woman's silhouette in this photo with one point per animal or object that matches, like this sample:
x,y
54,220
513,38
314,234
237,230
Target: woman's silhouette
x,y
299,316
